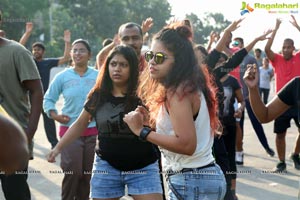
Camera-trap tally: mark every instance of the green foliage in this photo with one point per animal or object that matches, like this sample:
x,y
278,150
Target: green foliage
x,y
17,13
93,20
97,20
203,27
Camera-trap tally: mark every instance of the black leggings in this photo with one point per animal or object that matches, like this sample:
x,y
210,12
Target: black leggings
x,y
229,141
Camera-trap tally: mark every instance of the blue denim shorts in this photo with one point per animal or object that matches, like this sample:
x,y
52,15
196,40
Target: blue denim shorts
x,y
108,182
205,183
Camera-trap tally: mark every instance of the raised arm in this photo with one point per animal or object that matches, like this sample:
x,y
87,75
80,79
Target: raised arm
x,y
227,34
26,35
264,113
214,55
101,56
238,57
262,37
67,39
270,54
147,25
213,37
294,22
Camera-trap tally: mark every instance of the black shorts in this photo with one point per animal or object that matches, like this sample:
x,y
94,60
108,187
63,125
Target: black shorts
x,y
283,122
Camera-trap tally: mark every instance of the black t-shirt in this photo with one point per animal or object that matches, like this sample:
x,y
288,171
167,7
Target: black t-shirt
x,y
290,95
220,71
44,68
117,144
230,85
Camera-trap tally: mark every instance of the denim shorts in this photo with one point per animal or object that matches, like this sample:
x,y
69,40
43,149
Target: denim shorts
x,y
205,183
108,182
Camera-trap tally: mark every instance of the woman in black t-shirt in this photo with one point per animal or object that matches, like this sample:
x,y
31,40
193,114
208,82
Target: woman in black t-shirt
x,y
121,159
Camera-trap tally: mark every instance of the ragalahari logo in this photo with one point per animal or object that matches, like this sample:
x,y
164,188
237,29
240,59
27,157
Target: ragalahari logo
x,y
246,8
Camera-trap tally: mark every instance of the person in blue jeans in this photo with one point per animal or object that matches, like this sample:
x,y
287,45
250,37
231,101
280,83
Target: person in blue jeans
x,y
183,112
121,158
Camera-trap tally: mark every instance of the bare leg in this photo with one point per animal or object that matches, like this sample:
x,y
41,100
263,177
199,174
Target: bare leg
x,y
280,145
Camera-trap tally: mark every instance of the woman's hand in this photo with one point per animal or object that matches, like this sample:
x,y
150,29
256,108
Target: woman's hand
x,y
134,120
251,76
64,119
144,111
52,155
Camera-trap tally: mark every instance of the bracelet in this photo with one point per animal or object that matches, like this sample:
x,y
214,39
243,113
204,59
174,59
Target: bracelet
x,y
144,133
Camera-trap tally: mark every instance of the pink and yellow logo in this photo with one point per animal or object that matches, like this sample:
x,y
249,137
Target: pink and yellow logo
x,y
246,8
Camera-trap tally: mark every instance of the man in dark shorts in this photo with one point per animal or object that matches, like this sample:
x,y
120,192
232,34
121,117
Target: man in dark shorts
x,y
286,67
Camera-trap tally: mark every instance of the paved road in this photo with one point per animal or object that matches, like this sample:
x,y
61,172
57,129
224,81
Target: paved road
x,y
255,181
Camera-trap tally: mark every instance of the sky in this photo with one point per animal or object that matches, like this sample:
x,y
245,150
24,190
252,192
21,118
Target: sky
x,y
254,23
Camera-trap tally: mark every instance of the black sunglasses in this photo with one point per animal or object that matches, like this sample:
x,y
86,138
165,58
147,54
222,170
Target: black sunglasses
x,y
159,57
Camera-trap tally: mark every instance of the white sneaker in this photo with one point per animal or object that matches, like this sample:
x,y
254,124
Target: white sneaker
x,y
239,157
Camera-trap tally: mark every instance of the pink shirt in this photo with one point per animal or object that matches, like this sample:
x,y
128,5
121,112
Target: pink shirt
x,y
88,131
285,70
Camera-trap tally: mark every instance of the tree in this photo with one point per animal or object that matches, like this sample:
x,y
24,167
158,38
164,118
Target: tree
x,y
97,20
93,20
17,13
209,22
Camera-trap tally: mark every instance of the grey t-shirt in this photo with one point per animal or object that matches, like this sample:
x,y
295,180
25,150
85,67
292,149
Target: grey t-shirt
x,y
16,65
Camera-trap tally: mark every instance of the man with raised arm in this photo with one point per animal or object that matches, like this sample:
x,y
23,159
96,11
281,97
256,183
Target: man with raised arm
x,y
44,66
286,66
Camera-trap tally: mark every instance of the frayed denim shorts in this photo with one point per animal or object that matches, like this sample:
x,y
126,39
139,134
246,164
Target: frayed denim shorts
x,y
197,184
108,182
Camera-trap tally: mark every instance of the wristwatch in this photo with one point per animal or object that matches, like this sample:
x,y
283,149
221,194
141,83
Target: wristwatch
x,y
144,133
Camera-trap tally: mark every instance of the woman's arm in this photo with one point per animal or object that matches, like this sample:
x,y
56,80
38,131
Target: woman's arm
x,y
238,57
213,57
73,132
181,113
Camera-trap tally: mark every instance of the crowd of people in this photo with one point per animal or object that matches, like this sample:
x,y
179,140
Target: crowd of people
x,y
166,113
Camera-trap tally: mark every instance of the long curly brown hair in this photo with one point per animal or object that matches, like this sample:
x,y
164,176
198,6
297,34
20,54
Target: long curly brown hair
x,y
185,76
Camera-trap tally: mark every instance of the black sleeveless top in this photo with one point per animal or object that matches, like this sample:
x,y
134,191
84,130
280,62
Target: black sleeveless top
x,y
117,144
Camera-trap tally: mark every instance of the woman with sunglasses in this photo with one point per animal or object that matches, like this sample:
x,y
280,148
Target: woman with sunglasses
x,y
77,158
183,108
121,159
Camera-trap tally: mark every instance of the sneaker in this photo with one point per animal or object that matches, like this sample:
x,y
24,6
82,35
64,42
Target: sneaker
x,y
280,167
239,157
270,152
296,159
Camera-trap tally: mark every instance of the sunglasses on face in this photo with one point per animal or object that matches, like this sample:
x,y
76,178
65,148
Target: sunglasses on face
x,y
235,43
159,57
